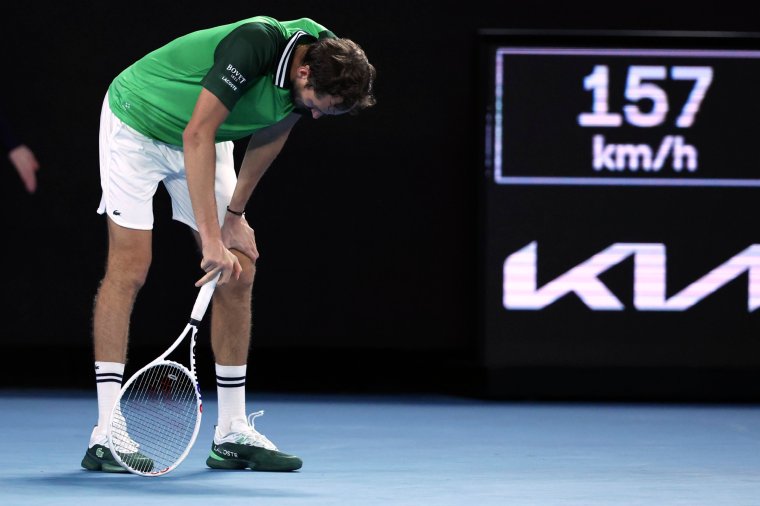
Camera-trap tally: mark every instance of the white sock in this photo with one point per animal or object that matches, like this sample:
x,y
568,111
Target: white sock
x,y
108,376
230,391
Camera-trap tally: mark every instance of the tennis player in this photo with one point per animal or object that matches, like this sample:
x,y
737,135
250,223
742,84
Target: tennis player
x,y
171,118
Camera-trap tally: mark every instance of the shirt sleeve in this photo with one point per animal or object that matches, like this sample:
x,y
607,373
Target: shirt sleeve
x,y
8,138
247,53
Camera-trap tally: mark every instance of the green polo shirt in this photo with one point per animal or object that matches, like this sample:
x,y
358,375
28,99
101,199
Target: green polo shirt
x,y
245,64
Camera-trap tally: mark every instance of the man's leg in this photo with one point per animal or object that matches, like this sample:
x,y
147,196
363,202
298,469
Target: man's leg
x,y
237,444
230,342
231,317
129,257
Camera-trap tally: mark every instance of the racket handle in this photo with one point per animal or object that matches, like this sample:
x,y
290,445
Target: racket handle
x,y
204,297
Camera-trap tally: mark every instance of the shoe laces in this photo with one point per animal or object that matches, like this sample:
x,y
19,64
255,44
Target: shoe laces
x,y
125,444
120,436
250,436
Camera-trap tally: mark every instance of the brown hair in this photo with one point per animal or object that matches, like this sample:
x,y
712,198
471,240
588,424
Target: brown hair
x,y
340,68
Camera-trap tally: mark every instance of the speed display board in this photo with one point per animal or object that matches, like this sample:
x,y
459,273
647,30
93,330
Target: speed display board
x,y
620,198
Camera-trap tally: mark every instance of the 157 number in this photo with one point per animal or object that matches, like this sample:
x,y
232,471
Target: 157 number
x,y
639,87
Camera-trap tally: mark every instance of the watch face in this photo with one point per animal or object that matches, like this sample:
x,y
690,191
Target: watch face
x,y
619,182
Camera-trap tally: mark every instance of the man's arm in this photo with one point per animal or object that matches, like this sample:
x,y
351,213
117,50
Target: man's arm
x,y
263,148
200,163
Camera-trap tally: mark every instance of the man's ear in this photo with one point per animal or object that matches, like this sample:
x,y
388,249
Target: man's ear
x,y
303,72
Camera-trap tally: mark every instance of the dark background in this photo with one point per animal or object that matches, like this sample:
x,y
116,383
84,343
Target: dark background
x,y
367,226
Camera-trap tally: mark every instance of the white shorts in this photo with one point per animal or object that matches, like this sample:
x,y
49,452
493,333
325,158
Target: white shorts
x,y
132,165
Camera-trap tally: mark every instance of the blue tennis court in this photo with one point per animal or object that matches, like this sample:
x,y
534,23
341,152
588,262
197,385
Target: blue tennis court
x,y
408,450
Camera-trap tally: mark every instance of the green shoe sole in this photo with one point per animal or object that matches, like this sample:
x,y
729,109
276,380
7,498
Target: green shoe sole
x,y
215,462
274,465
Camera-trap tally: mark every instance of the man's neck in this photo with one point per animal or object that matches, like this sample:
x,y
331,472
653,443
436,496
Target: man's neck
x,y
298,55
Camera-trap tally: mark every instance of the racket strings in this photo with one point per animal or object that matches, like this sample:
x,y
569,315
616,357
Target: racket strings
x,y
156,419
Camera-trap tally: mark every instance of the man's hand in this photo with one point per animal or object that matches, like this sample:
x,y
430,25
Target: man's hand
x,y
26,165
218,259
238,235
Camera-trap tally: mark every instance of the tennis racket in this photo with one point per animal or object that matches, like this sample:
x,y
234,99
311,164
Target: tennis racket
x,y
158,413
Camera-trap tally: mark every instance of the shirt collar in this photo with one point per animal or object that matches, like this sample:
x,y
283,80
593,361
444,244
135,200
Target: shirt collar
x,y
282,76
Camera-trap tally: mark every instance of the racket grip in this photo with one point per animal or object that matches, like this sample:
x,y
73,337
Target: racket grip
x,y
204,297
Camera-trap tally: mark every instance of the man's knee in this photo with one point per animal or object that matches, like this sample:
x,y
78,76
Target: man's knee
x,y
248,272
128,268
129,257
242,286
130,277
